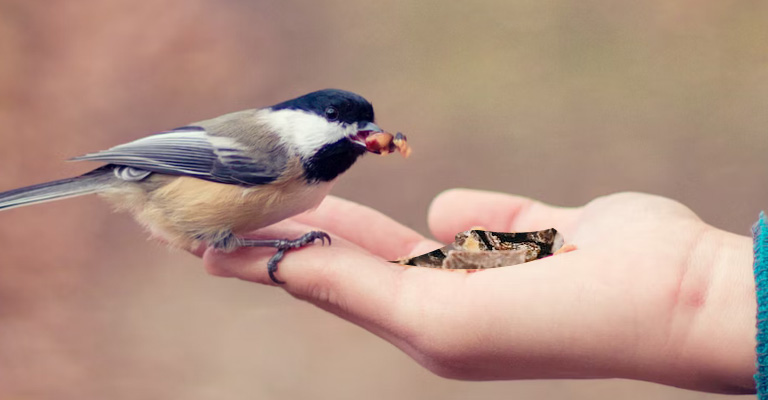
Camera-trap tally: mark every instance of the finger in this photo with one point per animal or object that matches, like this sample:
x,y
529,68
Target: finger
x,y
231,264
341,278
363,226
457,210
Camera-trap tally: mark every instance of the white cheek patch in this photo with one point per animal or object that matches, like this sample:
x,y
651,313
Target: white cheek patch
x,y
304,131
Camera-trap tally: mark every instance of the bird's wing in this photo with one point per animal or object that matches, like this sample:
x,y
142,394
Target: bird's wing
x,y
192,151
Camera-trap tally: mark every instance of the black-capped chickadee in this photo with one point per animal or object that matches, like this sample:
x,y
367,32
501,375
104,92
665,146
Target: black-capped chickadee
x,y
211,181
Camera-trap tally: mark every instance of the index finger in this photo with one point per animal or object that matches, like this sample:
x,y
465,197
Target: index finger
x,y
457,210
364,227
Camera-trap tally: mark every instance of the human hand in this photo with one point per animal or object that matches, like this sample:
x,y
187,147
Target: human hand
x,y
651,293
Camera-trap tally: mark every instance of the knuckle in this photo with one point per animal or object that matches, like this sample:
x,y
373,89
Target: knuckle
x,y
324,288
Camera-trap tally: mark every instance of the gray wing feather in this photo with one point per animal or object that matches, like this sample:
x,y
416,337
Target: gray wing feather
x,y
193,152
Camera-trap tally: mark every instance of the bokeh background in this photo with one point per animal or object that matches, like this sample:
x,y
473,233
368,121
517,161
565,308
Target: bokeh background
x,y
558,100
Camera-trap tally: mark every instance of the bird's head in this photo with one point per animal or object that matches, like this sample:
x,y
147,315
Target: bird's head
x,y
327,128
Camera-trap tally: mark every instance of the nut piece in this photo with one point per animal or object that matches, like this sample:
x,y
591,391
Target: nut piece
x,y
402,144
385,143
481,249
484,260
379,142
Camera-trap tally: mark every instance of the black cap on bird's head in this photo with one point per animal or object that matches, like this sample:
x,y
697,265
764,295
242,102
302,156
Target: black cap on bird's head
x,y
332,104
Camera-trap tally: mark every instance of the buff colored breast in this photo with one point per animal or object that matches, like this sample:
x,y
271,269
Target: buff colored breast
x,y
186,211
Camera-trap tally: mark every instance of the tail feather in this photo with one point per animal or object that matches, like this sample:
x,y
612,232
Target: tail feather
x,y
91,182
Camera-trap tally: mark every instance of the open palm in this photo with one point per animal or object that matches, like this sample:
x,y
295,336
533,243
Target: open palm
x,y
651,292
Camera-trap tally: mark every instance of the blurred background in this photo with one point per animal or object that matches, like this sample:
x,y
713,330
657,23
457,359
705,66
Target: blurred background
x,y
558,100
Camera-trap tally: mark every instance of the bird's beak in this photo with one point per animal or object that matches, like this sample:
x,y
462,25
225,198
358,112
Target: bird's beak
x,y
369,127
363,132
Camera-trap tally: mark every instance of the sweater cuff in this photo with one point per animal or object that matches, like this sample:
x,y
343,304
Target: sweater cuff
x,y
760,267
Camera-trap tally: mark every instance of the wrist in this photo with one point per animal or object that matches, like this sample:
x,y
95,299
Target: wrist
x,y
717,299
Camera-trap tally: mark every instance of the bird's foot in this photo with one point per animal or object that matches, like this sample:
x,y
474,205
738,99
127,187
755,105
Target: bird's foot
x,y
283,245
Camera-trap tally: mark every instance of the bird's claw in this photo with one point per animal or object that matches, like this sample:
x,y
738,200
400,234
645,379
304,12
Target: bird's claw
x,y
308,238
272,266
285,245
322,236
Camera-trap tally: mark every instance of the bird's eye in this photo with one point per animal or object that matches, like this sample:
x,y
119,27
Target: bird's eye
x,y
331,114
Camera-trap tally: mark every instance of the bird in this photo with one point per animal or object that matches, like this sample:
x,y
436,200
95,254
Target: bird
x,y
210,182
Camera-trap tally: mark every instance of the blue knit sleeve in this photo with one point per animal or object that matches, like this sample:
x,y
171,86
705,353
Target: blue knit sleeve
x,y
760,233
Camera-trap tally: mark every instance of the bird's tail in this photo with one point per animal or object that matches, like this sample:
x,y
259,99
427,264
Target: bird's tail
x,y
91,182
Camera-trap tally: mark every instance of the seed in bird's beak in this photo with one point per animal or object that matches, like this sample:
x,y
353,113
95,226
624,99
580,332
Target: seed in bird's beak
x,y
402,144
385,143
379,143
